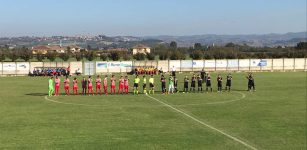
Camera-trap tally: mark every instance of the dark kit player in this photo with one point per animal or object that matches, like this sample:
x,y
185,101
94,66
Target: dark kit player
x,y
228,82
219,83
203,75
251,82
199,83
208,83
193,82
186,84
176,84
163,84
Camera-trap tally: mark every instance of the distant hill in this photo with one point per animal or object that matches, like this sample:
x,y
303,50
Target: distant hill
x,y
270,40
105,42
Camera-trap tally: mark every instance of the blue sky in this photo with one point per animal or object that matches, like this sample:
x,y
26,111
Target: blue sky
x,y
150,17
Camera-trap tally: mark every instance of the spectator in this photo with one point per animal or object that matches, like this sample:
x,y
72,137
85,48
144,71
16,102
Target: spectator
x,y
174,71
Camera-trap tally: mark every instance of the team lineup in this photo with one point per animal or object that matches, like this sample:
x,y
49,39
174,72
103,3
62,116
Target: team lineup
x,y
189,84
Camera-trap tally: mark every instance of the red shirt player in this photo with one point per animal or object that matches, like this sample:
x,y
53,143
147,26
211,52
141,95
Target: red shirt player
x,y
90,85
57,86
126,84
121,85
66,85
113,80
75,86
105,85
98,85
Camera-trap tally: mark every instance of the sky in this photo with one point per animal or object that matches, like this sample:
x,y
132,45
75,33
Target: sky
x,y
150,17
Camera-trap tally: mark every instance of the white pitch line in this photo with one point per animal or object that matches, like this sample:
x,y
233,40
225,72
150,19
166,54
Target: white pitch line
x,y
221,102
46,98
207,125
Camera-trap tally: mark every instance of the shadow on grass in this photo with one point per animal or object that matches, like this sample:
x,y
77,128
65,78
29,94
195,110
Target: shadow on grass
x,y
36,94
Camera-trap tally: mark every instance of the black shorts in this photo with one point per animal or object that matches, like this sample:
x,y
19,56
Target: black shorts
x,y
144,85
208,84
192,84
136,85
151,85
219,84
186,85
228,83
163,86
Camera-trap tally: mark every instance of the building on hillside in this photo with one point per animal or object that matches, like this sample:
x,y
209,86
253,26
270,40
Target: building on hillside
x,y
44,49
140,49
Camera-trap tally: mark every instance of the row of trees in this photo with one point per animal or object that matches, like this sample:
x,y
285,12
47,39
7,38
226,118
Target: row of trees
x,y
229,51
166,51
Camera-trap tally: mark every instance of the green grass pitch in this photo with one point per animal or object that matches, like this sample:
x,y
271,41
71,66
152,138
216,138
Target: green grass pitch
x,y
273,117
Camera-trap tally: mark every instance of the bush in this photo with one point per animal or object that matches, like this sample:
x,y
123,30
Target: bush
x,y
90,55
13,55
164,55
197,55
2,56
103,57
114,55
26,54
208,55
139,56
64,56
51,56
127,57
40,57
176,55
78,56
150,56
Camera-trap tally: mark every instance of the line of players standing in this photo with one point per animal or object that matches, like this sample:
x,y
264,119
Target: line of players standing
x,y
203,77
200,79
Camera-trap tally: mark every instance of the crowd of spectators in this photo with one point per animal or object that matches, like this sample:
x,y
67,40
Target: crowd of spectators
x,y
52,71
146,70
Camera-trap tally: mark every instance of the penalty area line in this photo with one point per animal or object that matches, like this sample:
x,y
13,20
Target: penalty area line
x,y
205,124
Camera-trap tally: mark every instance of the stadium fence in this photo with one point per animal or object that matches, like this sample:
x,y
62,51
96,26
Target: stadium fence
x,y
105,67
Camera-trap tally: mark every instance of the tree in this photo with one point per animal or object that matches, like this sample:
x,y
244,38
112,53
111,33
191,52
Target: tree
x,y
26,54
2,55
301,45
114,55
103,57
164,55
197,46
150,56
127,57
219,54
39,57
51,56
90,55
13,55
197,55
139,56
68,50
230,45
78,56
208,55
173,45
176,55
64,56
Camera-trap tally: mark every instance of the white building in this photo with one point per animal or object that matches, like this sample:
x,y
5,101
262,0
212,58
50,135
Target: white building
x,y
140,49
